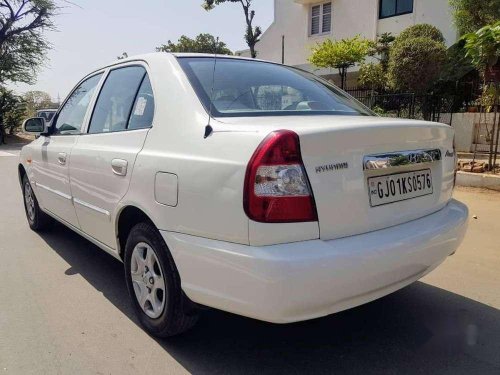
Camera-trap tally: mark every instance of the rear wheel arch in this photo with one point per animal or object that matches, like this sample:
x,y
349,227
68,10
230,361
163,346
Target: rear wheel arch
x,y
21,173
127,218
178,312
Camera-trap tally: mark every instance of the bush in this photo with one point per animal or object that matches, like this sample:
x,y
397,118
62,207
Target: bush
x,y
12,112
372,76
422,30
416,58
379,111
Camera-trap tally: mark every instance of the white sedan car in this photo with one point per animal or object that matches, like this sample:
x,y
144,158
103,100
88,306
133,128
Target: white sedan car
x,y
242,185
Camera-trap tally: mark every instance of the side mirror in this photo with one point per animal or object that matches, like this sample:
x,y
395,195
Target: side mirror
x,y
35,125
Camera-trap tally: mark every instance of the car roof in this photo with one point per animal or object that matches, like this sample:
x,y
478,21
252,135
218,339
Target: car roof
x,y
155,55
211,55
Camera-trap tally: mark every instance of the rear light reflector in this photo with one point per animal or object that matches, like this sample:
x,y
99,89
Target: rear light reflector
x,y
277,189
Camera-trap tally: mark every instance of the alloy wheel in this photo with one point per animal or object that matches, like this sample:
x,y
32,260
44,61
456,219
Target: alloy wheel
x,y
30,201
148,280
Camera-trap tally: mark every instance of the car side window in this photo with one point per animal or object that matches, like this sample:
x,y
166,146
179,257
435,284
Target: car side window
x,y
144,107
116,100
72,114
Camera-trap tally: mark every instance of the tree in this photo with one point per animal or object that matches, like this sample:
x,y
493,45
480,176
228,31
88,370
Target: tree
x,y
22,45
381,49
11,112
457,64
15,116
374,76
341,54
483,47
252,34
36,100
471,15
203,43
416,59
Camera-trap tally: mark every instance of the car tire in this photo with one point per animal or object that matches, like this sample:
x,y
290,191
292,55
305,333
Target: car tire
x,y
37,219
149,267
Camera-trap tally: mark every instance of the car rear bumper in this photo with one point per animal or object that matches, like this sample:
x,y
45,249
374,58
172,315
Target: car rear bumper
x,y
304,280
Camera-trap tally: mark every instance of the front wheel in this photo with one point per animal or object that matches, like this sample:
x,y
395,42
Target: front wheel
x,y
154,283
37,219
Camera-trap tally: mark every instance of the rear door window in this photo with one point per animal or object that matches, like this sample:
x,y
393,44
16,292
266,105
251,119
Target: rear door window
x,y
143,109
126,97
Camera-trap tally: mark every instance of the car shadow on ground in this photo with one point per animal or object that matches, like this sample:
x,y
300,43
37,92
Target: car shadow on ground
x,y
420,329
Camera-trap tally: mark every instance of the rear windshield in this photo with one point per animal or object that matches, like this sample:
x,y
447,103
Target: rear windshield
x,y
255,88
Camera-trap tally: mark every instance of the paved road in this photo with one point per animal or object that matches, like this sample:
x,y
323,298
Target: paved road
x,y
64,310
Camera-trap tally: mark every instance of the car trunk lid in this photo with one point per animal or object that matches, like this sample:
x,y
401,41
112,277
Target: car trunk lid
x,y
343,155
354,170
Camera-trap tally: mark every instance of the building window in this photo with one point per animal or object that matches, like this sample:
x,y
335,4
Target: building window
x,y
321,19
391,8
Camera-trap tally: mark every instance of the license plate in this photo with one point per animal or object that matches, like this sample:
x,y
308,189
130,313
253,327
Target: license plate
x,y
399,187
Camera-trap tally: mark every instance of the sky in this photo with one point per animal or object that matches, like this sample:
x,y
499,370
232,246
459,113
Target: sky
x,y
93,33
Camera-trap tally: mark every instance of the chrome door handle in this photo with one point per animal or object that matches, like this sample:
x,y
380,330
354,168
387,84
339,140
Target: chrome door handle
x,y
119,166
61,158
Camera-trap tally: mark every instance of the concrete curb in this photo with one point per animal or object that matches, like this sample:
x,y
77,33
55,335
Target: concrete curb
x,y
480,180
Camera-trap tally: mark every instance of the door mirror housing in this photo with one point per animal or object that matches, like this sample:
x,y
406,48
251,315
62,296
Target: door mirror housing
x,y
35,125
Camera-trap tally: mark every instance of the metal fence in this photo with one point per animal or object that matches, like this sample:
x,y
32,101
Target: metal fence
x,y
407,105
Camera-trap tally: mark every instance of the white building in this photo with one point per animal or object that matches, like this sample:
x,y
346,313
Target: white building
x,y
300,24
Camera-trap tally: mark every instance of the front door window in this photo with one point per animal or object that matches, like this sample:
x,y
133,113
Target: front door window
x,y
72,115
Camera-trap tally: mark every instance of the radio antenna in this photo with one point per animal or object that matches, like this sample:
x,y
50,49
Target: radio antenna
x,y
208,128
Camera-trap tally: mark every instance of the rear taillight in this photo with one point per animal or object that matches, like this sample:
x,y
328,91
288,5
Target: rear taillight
x,y
277,189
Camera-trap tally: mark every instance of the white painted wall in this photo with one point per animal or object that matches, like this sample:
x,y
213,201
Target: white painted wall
x,y
434,12
350,17
465,125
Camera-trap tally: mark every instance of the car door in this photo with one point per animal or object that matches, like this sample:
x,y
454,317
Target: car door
x,y
103,158
50,162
